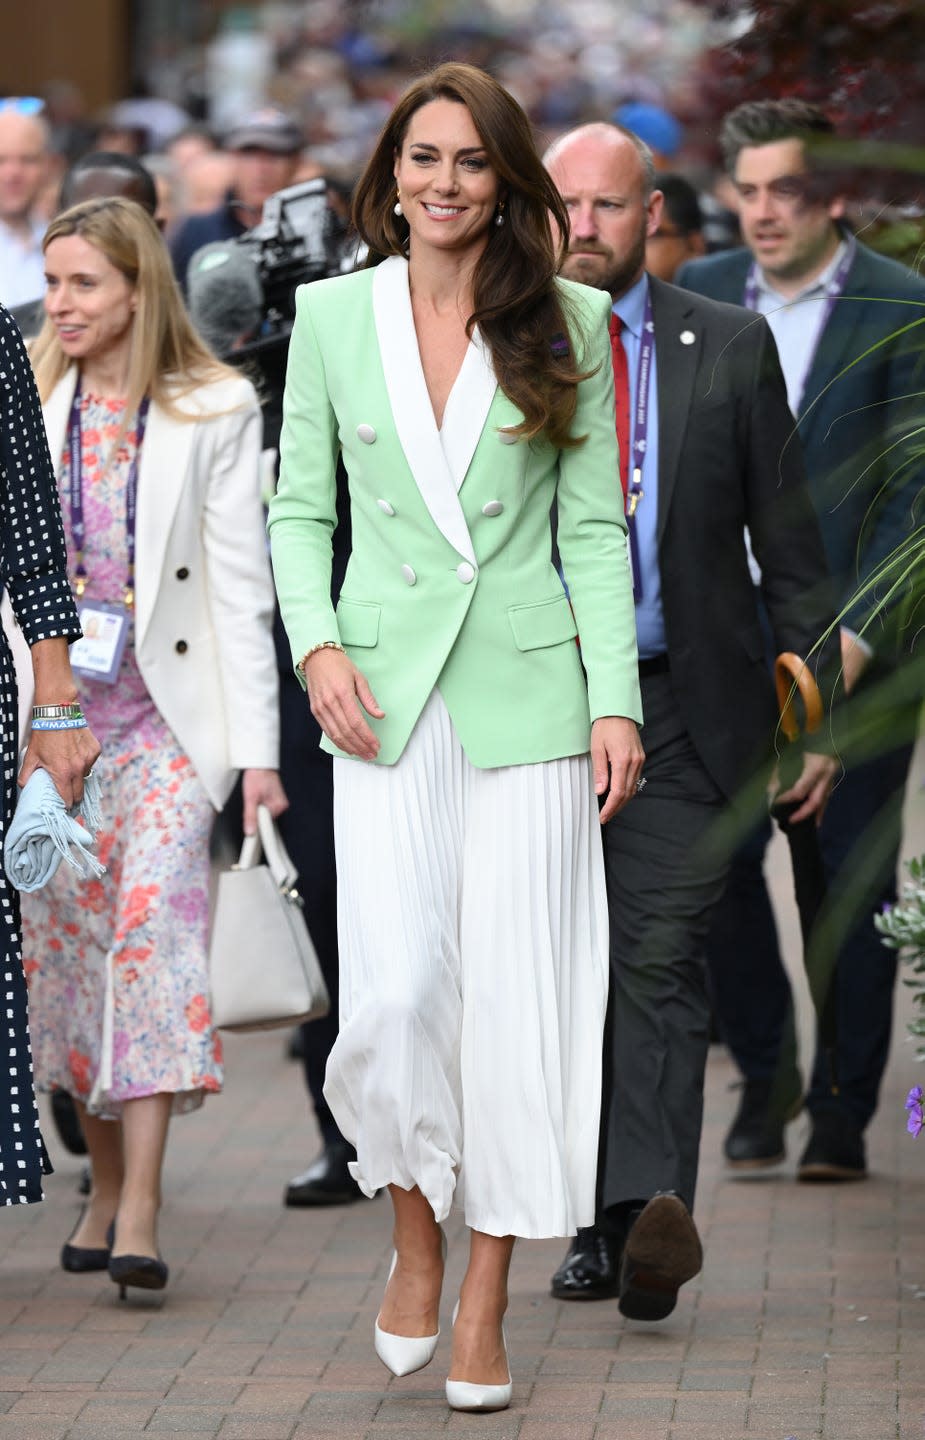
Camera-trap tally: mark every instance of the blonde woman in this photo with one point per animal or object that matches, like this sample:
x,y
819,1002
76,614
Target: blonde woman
x,y
156,446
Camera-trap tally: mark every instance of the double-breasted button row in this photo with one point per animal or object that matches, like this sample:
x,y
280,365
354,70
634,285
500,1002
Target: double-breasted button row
x,y
491,508
465,573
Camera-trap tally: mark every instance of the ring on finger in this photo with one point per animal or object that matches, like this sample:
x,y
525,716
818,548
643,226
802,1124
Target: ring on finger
x,y
640,784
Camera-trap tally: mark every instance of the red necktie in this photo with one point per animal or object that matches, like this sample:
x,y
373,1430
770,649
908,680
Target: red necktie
x,y
621,385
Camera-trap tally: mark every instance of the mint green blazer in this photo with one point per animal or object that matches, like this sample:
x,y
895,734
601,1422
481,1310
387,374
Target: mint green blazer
x,y
450,581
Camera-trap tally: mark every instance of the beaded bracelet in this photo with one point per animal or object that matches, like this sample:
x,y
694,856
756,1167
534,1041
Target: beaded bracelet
x,y
77,723
57,712
322,645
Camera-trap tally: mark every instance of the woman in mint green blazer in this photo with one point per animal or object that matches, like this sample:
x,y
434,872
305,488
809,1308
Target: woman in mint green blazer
x,y
467,389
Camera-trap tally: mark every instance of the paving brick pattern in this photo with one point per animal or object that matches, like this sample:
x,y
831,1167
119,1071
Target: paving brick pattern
x,y
808,1322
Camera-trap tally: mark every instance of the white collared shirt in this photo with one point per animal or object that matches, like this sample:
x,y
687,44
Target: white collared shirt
x,y
22,265
796,323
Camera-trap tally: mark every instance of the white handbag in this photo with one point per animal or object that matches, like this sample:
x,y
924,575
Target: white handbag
x,y
262,964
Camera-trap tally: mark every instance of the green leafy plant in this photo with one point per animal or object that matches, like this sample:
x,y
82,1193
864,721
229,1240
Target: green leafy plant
x,y
903,928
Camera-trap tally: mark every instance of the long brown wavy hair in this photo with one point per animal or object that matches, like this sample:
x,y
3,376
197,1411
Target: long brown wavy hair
x,y
519,310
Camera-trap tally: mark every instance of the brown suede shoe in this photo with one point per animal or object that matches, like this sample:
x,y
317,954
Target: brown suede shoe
x,y
662,1251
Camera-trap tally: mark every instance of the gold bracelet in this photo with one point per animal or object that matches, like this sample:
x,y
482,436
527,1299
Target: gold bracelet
x,y
322,645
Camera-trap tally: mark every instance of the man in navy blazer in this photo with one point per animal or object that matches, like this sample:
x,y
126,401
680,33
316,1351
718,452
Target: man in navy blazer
x,y
841,316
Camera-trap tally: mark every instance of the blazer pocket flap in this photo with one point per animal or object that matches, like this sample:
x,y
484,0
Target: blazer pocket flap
x,y
546,622
358,622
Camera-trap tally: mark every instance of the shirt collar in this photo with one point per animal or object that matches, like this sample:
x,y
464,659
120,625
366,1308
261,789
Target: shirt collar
x,y
631,306
36,236
815,287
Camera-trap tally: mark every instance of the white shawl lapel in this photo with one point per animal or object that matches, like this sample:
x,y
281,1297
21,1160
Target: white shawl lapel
x,y
57,413
162,474
437,477
467,409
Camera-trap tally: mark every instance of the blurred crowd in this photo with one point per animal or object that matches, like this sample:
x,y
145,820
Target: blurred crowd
x,y
336,70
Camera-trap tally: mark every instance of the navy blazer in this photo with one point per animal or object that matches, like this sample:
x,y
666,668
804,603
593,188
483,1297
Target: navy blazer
x,y
860,409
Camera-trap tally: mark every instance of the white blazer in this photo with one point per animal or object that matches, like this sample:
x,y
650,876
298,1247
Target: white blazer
x,y
203,592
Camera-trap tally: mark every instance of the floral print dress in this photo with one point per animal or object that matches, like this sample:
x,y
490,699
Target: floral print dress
x,y
117,967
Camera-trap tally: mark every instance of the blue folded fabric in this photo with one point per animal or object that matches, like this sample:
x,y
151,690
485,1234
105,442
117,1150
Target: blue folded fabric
x,y
43,832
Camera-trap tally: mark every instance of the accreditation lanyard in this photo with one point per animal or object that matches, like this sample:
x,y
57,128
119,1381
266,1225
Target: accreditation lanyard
x,y
833,292
75,497
639,433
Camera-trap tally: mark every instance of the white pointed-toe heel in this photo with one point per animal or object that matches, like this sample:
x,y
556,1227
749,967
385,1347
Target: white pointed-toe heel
x,y
403,1354
466,1395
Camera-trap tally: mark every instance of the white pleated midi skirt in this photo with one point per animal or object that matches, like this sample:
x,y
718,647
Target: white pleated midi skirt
x,y
472,919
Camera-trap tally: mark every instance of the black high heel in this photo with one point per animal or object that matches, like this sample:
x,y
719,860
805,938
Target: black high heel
x,y
80,1259
143,1271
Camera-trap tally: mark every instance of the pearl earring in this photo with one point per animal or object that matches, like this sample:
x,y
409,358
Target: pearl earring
x,y
499,218
396,208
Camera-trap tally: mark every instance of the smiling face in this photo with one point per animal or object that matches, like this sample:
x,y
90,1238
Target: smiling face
x,y
449,189
90,302
790,231
601,179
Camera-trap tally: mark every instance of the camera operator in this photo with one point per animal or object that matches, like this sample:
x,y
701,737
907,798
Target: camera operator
x,y
242,299
265,148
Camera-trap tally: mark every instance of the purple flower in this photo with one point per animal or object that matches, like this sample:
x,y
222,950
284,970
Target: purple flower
x,y
916,1120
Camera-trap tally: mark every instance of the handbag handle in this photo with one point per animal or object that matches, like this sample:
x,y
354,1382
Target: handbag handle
x,y
269,843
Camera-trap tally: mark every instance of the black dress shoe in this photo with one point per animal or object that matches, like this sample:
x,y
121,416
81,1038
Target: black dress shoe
x,y
835,1150
662,1251
327,1181
589,1270
756,1136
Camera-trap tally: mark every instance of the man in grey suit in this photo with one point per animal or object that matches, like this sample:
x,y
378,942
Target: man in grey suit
x,y
706,433
849,326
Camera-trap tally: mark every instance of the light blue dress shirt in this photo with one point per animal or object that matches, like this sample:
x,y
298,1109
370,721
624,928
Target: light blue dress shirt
x,y
650,622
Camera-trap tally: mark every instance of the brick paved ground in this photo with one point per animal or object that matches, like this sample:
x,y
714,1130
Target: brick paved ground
x,y
808,1320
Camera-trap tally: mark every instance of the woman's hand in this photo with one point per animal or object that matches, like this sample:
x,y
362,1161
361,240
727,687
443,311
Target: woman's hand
x,y
336,690
67,755
617,758
261,787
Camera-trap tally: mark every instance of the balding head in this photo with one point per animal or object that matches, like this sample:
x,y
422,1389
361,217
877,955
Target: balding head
x,y
606,177
24,162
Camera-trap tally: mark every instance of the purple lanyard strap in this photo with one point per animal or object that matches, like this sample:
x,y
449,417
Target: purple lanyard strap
x,y
639,433
75,495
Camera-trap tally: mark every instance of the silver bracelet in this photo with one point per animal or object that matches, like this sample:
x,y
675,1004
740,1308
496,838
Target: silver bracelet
x,y
322,645
57,712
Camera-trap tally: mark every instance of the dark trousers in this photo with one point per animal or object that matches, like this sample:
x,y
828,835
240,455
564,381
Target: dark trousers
x,y
860,840
663,880
307,828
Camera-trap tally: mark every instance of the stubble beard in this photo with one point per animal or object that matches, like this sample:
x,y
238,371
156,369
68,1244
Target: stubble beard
x,y
606,270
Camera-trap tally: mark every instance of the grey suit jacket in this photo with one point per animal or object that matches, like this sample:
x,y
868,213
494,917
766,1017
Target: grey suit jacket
x,y
725,464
